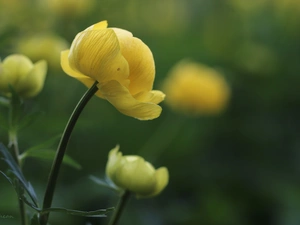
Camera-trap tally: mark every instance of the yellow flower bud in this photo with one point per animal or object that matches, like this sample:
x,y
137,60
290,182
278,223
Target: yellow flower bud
x,y
70,8
26,78
194,89
44,46
134,174
122,64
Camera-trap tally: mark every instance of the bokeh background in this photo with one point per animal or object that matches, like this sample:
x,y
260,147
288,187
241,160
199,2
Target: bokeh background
x,y
237,167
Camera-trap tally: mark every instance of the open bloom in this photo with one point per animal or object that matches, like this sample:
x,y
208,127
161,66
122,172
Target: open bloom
x,y
195,89
122,64
26,78
134,174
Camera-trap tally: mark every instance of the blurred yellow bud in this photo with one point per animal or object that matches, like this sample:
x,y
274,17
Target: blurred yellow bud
x,y
249,7
45,46
70,8
134,174
122,64
26,78
288,15
196,89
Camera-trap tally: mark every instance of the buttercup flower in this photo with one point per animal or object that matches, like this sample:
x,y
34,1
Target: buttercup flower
x,y
134,174
26,78
194,89
122,64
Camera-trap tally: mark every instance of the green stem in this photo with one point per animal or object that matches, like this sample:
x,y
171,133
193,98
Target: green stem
x,y
62,149
120,208
13,144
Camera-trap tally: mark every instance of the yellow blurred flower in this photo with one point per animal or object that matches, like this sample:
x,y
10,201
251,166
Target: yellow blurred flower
x,y
288,5
122,64
171,16
249,7
70,8
26,78
44,46
134,174
195,89
288,15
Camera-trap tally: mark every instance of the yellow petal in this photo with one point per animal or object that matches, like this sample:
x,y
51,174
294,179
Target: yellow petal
x,y
162,179
97,26
151,96
140,60
87,81
122,100
136,176
13,68
96,53
114,160
33,83
101,25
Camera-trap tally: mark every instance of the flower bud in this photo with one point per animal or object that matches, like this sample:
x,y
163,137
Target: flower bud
x,y
26,78
195,89
70,8
122,65
44,46
134,174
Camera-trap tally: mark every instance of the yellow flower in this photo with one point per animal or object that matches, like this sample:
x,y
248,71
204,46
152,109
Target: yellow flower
x,y
70,8
122,64
134,174
196,89
26,78
43,46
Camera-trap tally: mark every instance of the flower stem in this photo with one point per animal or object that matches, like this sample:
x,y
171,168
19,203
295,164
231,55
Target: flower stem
x,y
13,144
119,209
62,149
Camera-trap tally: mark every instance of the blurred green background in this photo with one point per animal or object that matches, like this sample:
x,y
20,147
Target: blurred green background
x,y
239,167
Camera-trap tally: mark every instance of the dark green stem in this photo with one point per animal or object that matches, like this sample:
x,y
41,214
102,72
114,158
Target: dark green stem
x,y
119,209
62,149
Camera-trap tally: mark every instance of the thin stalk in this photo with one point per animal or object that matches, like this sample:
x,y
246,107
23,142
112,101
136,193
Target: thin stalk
x,y
13,144
120,208
62,149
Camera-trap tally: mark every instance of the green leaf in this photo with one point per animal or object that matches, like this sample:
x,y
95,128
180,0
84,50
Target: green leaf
x,y
9,180
19,190
44,151
105,183
96,213
18,175
28,118
49,154
46,144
